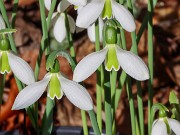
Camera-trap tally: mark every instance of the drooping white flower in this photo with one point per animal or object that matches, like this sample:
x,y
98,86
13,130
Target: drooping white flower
x,y
108,8
9,61
58,27
160,127
57,85
114,57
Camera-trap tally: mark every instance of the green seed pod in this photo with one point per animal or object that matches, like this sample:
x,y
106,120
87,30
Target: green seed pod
x,y
56,67
4,44
111,35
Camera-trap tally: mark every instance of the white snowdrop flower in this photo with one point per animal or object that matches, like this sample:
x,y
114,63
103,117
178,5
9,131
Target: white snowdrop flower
x,y
114,57
108,8
58,26
57,85
161,127
9,61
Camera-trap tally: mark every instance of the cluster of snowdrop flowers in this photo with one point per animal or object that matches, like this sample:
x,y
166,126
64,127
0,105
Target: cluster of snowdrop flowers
x,y
57,85
114,57
9,61
165,125
88,13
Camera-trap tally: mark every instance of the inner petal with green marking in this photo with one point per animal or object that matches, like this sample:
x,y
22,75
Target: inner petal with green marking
x,y
54,87
4,62
111,61
107,11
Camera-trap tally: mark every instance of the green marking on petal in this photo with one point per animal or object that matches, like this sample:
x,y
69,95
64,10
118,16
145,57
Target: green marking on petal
x,y
4,63
54,88
111,59
76,7
107,11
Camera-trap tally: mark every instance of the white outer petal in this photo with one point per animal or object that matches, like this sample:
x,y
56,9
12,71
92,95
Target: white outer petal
x,y
124,17
63,5
91,31
59,29
21,69
71,24
30,94
159,128
78,2
2,23
47,4
76,93
89,13
174,125
88,65
132,64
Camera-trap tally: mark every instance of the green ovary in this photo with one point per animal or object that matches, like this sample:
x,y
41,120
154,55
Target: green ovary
x,y
4,63
111,59
107,11
54,87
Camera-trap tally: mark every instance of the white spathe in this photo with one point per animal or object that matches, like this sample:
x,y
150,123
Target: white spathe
x,y
159,127
91,31
131,64
21,69
90,13
76,93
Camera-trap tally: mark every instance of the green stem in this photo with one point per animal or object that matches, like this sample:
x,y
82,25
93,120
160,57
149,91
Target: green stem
x,y
139,89
98,80
42,47
69,37
2,84
113,77
84,122
94,122
150,62
131,103
47,121
13,18
73,55
108,113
